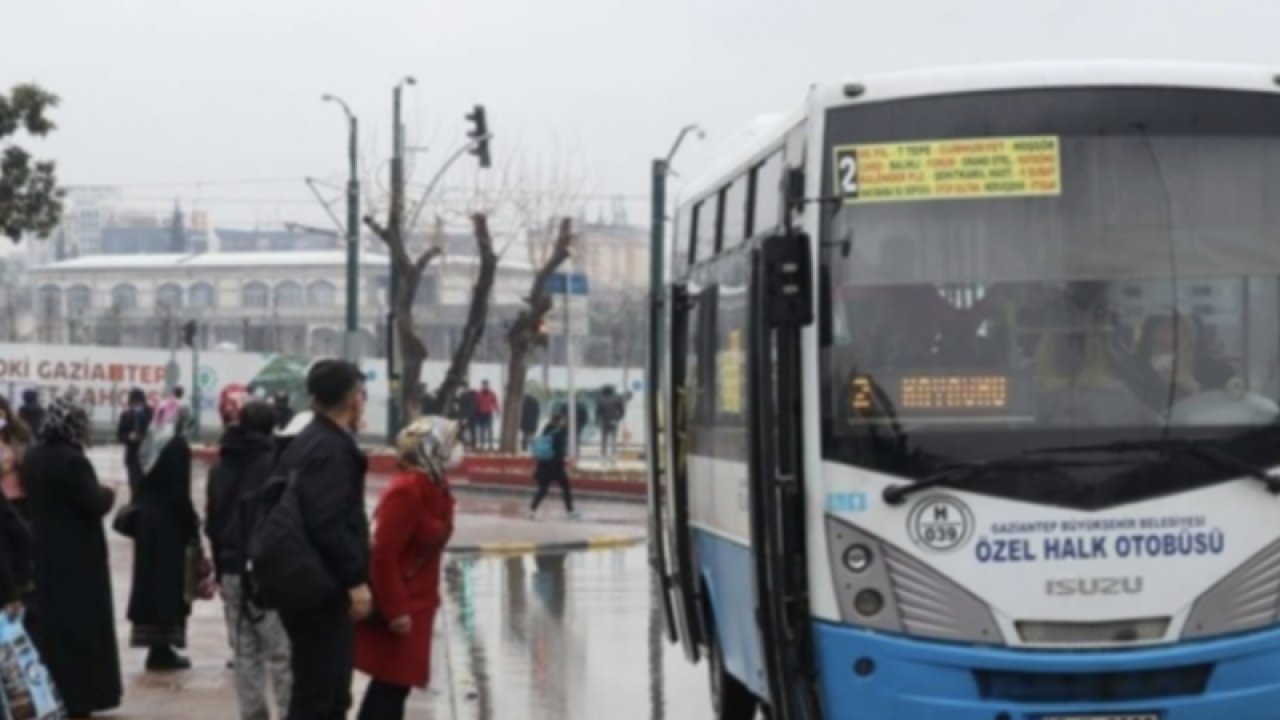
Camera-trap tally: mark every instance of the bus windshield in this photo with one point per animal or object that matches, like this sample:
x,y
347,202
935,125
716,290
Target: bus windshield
x,y
1008,274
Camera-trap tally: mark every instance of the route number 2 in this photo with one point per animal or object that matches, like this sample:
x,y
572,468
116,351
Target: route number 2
x,y
847,164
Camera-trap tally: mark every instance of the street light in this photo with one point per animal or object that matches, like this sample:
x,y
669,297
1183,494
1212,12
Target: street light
x,y
684,132
353,227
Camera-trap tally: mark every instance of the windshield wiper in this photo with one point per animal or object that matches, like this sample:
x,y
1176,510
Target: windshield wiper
x,y
961,475
1206,450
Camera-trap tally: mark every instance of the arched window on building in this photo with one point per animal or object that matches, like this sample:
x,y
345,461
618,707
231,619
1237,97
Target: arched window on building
x,y
322,293
124,297
255,295
202,295
79,299
289,294
169,295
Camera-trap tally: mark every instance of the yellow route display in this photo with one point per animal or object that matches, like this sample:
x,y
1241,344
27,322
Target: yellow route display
x,y
730,362
979,168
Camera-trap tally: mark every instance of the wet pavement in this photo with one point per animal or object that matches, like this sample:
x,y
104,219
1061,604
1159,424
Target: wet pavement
x,y
566,636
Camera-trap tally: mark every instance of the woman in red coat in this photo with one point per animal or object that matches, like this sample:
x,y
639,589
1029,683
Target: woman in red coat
x,y
411,528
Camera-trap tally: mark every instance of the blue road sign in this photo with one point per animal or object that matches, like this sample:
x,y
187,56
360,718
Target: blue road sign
x,y
568,284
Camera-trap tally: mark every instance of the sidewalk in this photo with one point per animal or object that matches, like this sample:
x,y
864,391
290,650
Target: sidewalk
x,y
206,692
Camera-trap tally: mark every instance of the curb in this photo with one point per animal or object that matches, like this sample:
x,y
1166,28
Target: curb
x,y
551,548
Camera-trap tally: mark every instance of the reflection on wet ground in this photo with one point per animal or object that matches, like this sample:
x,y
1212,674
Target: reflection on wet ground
x,y
564,637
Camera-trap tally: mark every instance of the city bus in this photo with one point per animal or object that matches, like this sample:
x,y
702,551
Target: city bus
x,y
965,400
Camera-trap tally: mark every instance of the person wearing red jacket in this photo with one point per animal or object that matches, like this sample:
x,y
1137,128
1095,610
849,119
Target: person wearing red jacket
x,y
412,525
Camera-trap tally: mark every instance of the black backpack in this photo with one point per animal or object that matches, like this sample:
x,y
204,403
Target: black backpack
x,y
285,571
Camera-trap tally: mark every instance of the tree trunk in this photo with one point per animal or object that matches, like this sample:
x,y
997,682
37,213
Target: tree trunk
x,y
513,407
477,317
413,352
526,334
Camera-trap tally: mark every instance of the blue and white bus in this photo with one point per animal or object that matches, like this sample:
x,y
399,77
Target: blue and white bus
x,y
966,388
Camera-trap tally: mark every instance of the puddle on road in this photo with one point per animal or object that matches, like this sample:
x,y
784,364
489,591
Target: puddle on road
x,y
567,637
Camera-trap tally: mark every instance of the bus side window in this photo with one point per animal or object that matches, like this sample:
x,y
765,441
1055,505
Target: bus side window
x,y
707,221
682,242
735,213
766,194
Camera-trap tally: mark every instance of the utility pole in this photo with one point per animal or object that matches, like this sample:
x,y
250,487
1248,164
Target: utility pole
x,y
350,345
353,243
396,228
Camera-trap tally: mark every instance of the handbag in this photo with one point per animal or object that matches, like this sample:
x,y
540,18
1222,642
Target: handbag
x,y
28,692
126,521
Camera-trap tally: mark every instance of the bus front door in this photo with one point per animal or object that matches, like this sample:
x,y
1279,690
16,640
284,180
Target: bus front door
x,y
781,306
681,565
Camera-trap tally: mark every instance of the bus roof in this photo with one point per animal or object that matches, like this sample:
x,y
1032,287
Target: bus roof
x,y
749,146
1060,74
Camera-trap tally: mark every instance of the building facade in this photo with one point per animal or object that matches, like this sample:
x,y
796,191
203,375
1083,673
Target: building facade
x,y
290,302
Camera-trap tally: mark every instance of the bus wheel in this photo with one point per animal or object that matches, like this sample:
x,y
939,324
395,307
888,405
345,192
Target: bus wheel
x,y
730,699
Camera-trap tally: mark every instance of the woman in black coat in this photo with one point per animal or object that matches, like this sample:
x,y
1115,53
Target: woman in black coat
x,y
167,529
77,633
553,470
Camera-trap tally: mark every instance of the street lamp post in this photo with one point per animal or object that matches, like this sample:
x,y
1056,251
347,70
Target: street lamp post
x,y
351,344
657,298
394,412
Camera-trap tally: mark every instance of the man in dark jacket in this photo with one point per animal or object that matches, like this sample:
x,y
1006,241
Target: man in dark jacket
x,y
31,413
245,460
132,430
465,414
530,413
330,471
610,409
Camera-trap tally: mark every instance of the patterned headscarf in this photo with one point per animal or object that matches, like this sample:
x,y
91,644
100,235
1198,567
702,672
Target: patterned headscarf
x,y
65,422
430,443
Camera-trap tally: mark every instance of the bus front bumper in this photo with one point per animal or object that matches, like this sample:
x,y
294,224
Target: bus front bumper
x,y
1232,678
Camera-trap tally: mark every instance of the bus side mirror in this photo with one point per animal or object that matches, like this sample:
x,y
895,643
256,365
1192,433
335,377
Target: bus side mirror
x,y
787,281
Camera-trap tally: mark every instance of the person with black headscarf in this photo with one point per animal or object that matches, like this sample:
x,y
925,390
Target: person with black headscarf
x,y
131,431
77,631
167,530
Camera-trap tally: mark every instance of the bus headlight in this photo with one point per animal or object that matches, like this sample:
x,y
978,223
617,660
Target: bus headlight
x,y
881,587
868,602
857,558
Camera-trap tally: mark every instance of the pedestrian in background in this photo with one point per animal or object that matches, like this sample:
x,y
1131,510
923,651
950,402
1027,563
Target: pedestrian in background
x,y
15,440
551,450
171,406
465,413
610,409
414,521
31,412
132,429
329,470
166,541
246,457
487,407
77,628
283,410
530,413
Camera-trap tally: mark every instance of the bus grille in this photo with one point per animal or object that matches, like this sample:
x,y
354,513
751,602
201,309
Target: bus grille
x,y
1093,687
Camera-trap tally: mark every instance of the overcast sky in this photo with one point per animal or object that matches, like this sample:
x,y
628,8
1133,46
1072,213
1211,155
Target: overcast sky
x,y
160,94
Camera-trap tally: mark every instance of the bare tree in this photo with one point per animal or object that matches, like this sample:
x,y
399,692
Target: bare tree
x,y
477,313
409,270
525,334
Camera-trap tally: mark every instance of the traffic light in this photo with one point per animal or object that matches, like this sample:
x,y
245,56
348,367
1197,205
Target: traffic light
x,y
189,333
479,134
